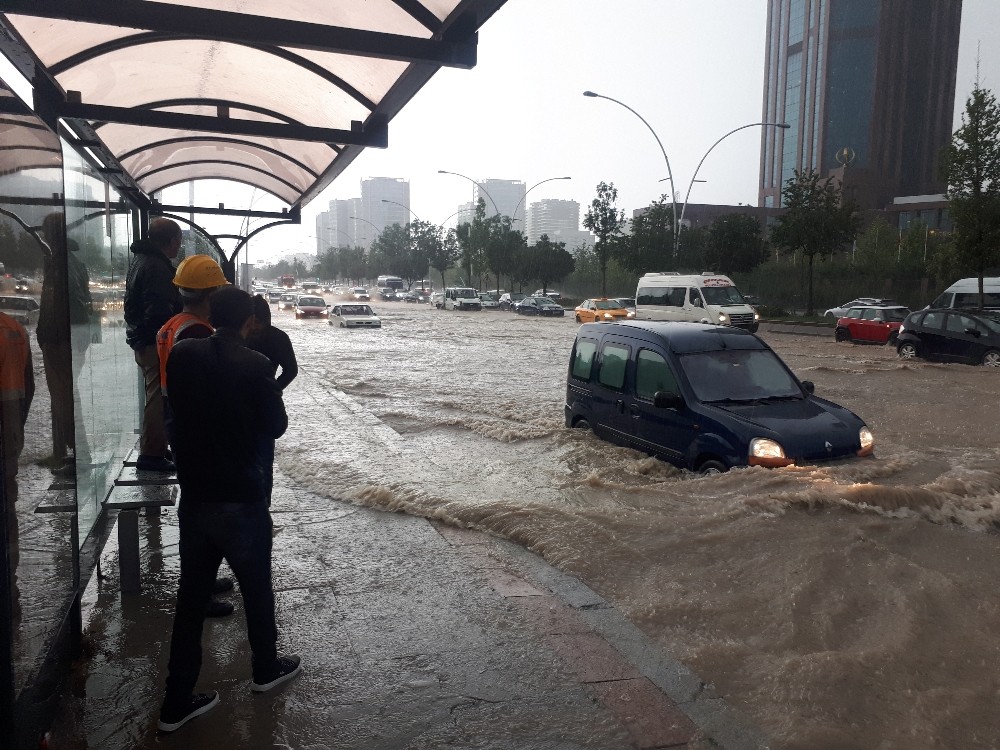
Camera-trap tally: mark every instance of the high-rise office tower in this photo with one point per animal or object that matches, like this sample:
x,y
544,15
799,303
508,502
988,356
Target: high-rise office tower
x,y
557,219
868,88
384,201
507,195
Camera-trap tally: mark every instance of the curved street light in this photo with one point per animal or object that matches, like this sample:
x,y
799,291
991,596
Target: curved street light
x,y
677,234
445,171
378,232
550,179
395,203
673,203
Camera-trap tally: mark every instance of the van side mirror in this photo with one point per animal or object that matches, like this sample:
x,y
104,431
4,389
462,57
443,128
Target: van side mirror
x,y
667,400
809,386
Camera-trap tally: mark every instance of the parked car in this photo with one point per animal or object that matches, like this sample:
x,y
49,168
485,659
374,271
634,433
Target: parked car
x,y
871,324
508,299
601,310
704,397
488,301
972,337
23,309
311,306
354,316
841,310
552,294
539,306
287,301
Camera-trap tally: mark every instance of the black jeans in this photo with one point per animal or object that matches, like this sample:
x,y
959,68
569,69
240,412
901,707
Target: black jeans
x,y
209,532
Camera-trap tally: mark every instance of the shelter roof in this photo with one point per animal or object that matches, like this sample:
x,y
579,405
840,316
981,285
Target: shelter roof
x,y
279,95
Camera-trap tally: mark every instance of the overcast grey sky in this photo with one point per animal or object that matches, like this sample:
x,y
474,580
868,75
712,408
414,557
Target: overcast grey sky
x,y
692,68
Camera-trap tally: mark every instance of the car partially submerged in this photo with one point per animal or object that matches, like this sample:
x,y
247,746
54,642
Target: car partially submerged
x,y
354,316
704,397
311,306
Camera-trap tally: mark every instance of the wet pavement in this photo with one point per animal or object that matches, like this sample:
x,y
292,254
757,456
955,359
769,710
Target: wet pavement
x,y
413,634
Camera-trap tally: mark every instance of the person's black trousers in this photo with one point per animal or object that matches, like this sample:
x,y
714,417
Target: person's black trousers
x,y
209,532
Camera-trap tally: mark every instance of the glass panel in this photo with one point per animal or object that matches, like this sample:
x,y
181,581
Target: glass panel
x,y
652,374
613,361
169,177
583,358
98,232
38,505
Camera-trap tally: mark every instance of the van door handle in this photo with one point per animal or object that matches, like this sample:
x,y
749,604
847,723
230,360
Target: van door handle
x,y
621,406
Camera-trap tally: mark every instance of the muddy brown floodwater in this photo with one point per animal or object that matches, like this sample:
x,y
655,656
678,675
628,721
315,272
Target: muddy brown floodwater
x,y
850,605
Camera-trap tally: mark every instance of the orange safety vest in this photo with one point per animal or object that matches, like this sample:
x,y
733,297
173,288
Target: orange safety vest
x,y
167,336
14,358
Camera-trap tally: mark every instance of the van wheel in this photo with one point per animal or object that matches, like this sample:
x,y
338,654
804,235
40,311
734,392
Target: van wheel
x,y
842,335
711,467
991,358
581,424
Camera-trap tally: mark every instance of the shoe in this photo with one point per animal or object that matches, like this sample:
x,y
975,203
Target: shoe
x,y
282,670
219,608
222,585
173,719
155,463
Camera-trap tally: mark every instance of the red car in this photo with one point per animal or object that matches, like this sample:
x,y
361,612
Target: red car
x,y
871,324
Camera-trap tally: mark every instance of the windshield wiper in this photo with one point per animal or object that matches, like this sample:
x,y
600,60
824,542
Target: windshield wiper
x,y
780,398
733,401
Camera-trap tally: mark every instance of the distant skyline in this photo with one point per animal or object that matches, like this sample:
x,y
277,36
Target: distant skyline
x,y
693,70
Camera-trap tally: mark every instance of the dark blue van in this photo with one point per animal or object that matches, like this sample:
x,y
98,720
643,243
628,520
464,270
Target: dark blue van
x,y
703,397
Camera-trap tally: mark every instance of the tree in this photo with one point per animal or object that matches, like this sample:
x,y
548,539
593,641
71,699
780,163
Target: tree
x,y
472,239
605,221
444,253
816,220
549,261
735,244
650,245
970,165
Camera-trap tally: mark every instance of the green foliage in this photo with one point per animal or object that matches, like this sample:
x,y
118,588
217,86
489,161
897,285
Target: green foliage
x,y
650,245
548,261
971,166
815,222
605,221
443,252
734,244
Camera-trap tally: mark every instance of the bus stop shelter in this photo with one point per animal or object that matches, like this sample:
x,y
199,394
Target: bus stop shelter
x,y
105,104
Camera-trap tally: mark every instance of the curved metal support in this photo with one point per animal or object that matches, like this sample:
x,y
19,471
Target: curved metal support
x,y
217,139
228,179
152,37
29,229
201,229
256,231
179,164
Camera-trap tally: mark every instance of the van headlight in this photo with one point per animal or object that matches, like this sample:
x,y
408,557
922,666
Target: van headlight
x,y
723,317
767,452
756,316
867,442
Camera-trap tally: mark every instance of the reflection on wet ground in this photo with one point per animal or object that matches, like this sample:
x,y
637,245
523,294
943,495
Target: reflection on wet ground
x,y
839,605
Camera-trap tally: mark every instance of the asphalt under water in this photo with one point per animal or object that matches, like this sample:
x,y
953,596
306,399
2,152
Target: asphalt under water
x,y
846,605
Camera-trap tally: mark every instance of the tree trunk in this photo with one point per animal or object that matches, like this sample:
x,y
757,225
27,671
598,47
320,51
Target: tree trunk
x,y
809,307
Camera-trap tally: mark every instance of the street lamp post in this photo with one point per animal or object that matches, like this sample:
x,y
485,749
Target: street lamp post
x,y
677,234
673,203
395,203
444,171
550,179
378,231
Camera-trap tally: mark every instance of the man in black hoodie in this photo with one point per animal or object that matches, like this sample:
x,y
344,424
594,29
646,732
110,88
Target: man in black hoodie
x,y
151,299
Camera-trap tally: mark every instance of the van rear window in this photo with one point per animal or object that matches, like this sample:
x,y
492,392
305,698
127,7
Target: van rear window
x,y
583,359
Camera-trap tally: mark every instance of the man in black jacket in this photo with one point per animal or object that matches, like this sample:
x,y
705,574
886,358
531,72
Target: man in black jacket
x,y
151,299
226,408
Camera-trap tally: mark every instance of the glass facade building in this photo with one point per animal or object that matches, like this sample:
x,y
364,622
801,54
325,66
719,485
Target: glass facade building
x,y
868,88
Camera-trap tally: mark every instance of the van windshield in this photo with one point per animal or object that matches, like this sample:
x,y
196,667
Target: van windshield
x,y
739,375
722,295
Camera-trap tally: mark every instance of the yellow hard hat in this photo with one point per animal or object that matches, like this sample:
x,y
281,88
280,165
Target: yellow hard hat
x,y
199,272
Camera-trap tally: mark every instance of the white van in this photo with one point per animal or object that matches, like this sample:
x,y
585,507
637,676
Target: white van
x,y
964,293
705,298
461,298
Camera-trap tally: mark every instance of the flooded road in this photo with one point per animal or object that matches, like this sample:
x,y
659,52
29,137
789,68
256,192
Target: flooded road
x,y
842,606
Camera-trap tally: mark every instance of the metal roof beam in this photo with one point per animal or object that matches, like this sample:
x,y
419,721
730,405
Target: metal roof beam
x,y
240,27
292,214
372,134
